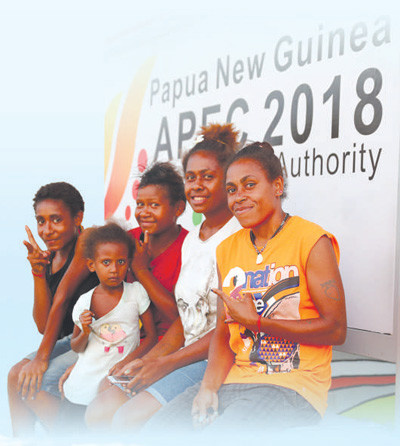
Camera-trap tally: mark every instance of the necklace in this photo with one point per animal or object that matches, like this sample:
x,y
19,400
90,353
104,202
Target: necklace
x,y
253,240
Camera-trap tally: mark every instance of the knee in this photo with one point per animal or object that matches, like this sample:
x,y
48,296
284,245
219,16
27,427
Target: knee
x,y
127,418
95,413
100,411
13,374
104,385
134,414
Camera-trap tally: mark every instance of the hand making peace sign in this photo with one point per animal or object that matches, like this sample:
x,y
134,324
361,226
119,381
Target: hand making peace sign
x,y
38,258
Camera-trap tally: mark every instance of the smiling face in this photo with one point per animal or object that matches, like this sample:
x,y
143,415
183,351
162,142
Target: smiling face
x,y
204,183
110,263
252,198
55,224
154,211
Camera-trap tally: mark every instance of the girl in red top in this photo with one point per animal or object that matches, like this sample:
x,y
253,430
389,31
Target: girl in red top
x,y
160,201
178,360
156,265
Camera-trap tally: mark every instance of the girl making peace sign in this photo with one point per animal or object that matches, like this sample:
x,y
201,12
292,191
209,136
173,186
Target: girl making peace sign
x,y
33,391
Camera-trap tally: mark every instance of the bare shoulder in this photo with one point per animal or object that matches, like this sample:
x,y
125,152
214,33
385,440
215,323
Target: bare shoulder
x,y
82,240
322,253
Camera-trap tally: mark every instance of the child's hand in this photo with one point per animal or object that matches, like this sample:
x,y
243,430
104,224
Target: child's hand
x,y
86,319
37,258
63,378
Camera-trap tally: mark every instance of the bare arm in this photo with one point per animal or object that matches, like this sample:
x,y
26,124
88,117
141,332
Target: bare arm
x,y
153,369
79,340
326,291
63,378
171,342
220,361
220,356
188,355
75,275
164,358
30,377
161,297
39,260
80,337
41,302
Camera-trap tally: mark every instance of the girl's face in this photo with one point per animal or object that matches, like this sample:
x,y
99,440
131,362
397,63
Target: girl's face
x,y
55,224
204,183
154,211
252,198
110,263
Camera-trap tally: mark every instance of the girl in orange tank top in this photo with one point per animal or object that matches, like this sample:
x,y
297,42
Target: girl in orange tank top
x,y
281,305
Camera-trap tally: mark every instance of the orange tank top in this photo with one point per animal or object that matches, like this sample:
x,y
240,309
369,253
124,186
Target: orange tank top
x,y
278,286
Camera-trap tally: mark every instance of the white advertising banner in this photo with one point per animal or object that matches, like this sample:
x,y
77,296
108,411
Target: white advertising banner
x,y
325,94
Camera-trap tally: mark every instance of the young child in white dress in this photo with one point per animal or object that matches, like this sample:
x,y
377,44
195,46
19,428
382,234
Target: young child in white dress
x,y
106,319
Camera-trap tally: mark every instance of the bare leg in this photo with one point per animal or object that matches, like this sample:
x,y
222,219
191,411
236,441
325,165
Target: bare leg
x,y
46,407
134,414
24,412
22,417
101,410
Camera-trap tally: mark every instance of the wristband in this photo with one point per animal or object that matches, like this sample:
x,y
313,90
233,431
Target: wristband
x,y
259,324
38,275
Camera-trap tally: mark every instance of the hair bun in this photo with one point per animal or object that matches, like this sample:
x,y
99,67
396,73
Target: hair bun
x,y
224,134
266,146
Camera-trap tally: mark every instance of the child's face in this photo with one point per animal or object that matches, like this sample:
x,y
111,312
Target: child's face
x,y
154,211
110,263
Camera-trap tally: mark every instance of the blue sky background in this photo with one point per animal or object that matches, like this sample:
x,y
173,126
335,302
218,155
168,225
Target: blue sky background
x,y
51,127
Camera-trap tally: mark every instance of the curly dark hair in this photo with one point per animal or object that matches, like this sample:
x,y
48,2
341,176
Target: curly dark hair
x,y
218,139
164,174
263,154
62,191
109,233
